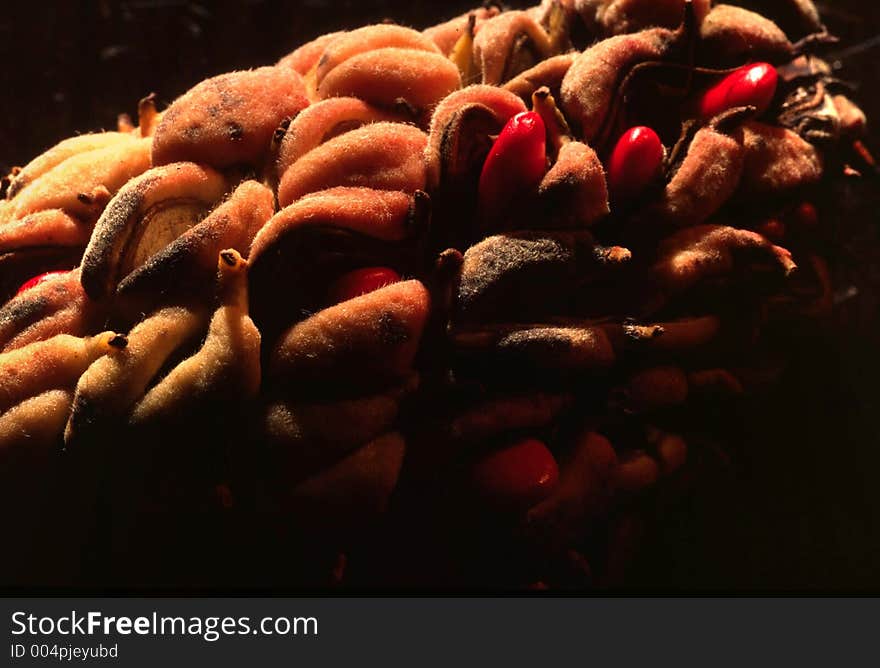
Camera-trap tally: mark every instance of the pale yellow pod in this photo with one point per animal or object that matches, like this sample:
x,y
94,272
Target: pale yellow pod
x,y
33,427
63,150
55,363
82,184
112,385
189,262
227,365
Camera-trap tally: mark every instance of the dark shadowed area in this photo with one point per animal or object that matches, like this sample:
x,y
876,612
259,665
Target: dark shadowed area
x,y
798,509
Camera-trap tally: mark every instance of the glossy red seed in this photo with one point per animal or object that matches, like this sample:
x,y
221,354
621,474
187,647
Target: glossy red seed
x,y
636,161
516,476
360,282
515,165
749,86
38,280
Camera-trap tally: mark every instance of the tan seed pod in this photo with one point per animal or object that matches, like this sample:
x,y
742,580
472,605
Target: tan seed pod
x,y
229,119
370,38
386,156
696,253
510,43
590,84
574,191
730,36
708,176
306,434
651,389
777,160
617,17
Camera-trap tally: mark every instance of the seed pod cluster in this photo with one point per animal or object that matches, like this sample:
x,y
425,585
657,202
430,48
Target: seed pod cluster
x,y
469,274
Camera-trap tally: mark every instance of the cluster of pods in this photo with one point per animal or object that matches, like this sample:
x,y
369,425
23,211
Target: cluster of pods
x,y
464,286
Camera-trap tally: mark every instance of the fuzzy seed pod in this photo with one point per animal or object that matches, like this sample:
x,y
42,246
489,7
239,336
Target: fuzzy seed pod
x,y
57,306
732,35
591,82
225,368
321,122
777,160
617,17
549,72
229,119
306,57
387,156
707,177
147,214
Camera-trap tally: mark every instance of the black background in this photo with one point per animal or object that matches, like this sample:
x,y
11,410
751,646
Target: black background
x,y
799,511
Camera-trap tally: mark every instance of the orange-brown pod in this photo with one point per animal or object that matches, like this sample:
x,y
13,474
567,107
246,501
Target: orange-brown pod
x,y
386,156
391,75
229,119
322,121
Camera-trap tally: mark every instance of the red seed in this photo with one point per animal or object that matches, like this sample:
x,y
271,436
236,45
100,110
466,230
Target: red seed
x,y
40,279
749,86
773,229
515,165
516,476
360,282
806,215
636,161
